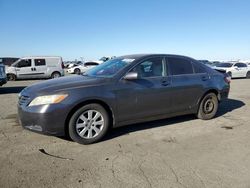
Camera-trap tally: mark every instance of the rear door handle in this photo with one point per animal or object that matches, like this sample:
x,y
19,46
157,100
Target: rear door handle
x,y
204,78
165,83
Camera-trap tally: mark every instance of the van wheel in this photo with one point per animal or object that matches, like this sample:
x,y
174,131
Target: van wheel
x,y
248,74
11,77
55,75
77,71
229,74
89,124
208,107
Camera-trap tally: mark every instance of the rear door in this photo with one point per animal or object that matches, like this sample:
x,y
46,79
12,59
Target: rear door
x,y
40,68
187,86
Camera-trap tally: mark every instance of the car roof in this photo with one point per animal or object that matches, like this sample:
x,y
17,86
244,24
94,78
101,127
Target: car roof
x,y
40,57
139,56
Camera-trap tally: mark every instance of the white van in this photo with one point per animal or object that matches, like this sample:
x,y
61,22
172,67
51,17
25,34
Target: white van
x,y
36,67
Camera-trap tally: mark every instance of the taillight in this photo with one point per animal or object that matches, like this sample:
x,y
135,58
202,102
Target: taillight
x,y
62,65
227,79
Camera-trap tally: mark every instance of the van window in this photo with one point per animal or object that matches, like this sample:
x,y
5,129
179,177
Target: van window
x,y
40,62
24,63
179,66
240,65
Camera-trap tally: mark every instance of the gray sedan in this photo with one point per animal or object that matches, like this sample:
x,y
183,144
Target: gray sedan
x,y
125,90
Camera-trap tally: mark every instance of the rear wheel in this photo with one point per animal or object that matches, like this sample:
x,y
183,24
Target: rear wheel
x,y
11,77
208,107
55,75
248,74
77,71
89,124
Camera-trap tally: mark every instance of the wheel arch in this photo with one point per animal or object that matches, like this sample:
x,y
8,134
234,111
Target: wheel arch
x,y
90,101
211,90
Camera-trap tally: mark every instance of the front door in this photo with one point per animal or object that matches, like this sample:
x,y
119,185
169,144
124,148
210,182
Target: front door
x,y
24,69
147,96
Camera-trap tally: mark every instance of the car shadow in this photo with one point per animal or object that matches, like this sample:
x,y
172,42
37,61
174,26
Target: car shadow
x,y
228,105
11,90
224,107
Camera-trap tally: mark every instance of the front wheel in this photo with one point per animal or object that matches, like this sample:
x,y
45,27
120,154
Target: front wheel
x,y
208,107
11,77
89,124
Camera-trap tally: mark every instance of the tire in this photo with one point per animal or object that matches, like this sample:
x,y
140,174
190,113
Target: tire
x,y
248,75
83,129
11,77
230,74
77,71
208,107
55,75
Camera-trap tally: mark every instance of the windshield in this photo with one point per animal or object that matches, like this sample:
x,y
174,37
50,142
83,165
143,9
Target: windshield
x,y
109,68
14,64
224,65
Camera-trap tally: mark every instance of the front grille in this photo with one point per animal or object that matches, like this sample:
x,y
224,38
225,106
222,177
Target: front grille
x,y
23,100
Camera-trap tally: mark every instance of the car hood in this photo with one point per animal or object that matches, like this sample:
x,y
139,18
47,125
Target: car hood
x,y
63,84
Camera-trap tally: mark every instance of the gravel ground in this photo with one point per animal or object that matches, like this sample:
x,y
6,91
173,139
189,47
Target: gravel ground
x,y
176,152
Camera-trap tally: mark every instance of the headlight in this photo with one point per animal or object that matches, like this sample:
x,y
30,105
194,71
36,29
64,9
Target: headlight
x,y
47,99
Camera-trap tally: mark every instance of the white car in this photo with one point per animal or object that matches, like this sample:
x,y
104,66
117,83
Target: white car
x,y
84,67
36,67
235,70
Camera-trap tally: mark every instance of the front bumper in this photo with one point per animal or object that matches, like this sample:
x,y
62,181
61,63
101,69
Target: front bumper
x,y
3,81
45,119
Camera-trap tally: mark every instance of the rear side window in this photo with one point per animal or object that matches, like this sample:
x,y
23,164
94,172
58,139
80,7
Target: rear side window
x,y
240,65
40,62
179,66
198,68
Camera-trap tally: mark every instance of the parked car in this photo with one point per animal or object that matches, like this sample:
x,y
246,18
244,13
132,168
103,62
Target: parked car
x,y
235,69
73,64
3,79
36,67
125,90
8,61
83,67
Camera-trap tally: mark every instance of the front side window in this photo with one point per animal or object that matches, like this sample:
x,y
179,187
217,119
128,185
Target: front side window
x,y
24,63
40,62
152,67
179,66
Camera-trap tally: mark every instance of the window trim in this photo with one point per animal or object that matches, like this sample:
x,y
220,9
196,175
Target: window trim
x,y
145,59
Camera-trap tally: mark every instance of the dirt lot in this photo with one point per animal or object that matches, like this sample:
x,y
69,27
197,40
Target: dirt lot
x,y
177,152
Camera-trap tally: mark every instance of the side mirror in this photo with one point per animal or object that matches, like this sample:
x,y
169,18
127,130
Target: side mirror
x,y
131,76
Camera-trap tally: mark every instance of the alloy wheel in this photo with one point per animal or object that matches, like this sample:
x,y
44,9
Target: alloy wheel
x,y
89,124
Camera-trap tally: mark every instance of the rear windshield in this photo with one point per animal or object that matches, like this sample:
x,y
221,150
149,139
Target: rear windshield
x,y
225,65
